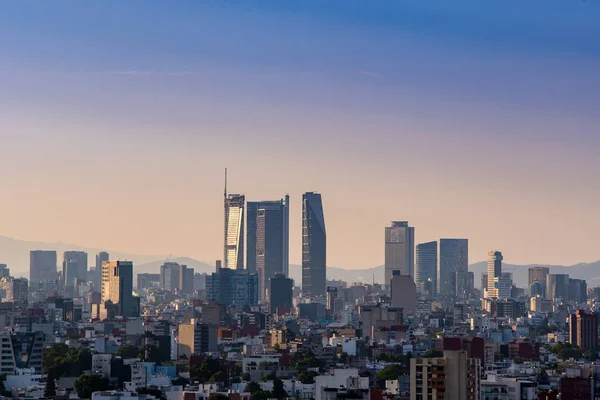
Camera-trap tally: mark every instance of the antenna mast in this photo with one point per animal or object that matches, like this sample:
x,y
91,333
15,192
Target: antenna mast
x,y
225,192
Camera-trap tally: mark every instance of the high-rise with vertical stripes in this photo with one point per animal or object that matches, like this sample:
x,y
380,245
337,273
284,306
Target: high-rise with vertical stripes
x,y
314,245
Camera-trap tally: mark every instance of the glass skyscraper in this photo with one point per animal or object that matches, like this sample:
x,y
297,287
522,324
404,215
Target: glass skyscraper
x,y
267,241
234,231
314,245
426,264
399,250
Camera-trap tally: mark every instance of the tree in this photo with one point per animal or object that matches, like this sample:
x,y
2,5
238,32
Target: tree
x,y
153,391
432,354
85,385
252,387
127,352
205,369
278,390
591,355
267,377
63,360
261,395
307,377
50,389
180,381
3,391
219,376
391,372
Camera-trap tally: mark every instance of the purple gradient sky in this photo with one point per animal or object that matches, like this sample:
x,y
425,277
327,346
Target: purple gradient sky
x,y
468,120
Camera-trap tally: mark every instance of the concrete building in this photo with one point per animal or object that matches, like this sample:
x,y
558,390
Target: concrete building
x,y
334,302
185,280
495,387
147,281
314,245
267,241
16,289
453,257
557,286
169,276
451,377
538,274
494,273
343,383
4,271
426,264
101,258
403,293
577,290
583,330
229,286
399,250
81,259
21,350
197,338
101,364
42,266
117,290
382,322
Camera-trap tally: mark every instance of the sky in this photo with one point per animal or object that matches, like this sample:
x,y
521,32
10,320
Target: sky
x,y
466,118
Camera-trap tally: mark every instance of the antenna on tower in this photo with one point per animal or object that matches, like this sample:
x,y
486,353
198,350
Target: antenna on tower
x,y
225,192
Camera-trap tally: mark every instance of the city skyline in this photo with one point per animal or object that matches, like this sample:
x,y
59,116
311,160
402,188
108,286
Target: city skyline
x,y
262,102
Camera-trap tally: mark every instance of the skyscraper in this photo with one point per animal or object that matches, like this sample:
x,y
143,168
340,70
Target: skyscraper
x,y
233,257
280,293
268,241
70,272
557,286
230,287
186,280
42,266
494,273
426,265
583,330
399,250
81,259
169,276
117,290
538,274
453,258
314,245
100,259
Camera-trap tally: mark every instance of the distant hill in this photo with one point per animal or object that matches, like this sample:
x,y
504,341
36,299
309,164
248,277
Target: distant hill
x,y
15,253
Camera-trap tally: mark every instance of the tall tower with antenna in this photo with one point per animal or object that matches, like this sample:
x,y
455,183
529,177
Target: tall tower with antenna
x,y
233,241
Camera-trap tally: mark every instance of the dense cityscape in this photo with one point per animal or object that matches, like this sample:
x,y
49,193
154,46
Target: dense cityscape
x,y
248,331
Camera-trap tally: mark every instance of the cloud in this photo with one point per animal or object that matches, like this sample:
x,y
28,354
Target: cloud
x,y
368,73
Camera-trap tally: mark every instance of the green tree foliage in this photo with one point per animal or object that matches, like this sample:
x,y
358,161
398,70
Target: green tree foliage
x,y
252,387
278,390
50,389
591,355
307,377
3,391
433,354
180,381
205,369
564,351
268,377
392,372
85,385
261,395
153,391
128,352
305,359
63,360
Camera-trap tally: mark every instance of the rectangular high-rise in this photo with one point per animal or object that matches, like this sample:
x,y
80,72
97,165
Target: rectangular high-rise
x,y
494,273
267,245
314,245
169,276
42,266
453,257
426,264
399,250
583,330
538,274
117,289
280,293
233,257
81,259
100,259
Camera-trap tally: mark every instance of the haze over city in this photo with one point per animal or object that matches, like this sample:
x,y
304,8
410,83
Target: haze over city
x,y
473,120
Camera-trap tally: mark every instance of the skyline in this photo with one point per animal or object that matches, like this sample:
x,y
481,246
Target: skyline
x,y
469,121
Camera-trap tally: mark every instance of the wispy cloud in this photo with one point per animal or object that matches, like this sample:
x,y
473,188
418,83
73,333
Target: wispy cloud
x,y
368,73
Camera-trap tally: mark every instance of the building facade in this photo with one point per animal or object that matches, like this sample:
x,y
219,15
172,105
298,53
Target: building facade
x,y
538,274
228,287
583,330
426,264
453,257
281,292
233,257
399,250
42,266
314,245
494,273
557,286
117,290
81,259
267,241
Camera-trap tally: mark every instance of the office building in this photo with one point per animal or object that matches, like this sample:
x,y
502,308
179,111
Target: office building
x,y
280,293
557,286
21,350
70,273
169,276
267,241
583,330
494,273
484,284
42,266
454,376
399,250
101,258
230,286
334,302
465,284
197,338
503,286
577,290
538,274
186,280
117,290
453,257
16,289
426,264
314,245
4,271
403,293
147,281
233,257
81,259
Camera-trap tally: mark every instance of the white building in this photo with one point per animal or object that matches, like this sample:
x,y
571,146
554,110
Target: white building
x,y
101,364
342,380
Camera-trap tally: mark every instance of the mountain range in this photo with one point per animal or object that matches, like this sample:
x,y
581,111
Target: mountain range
x,y
15,253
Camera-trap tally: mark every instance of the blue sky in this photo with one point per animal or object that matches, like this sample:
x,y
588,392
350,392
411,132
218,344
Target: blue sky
x,y
488,106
